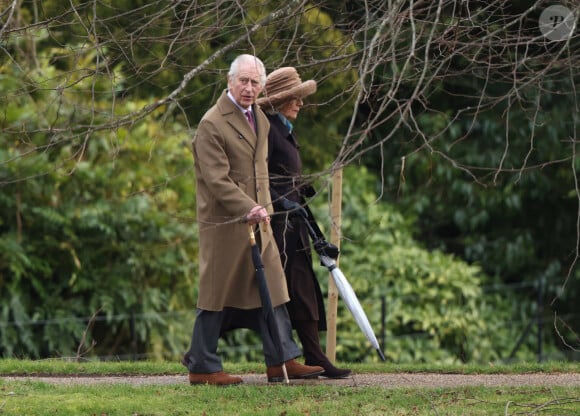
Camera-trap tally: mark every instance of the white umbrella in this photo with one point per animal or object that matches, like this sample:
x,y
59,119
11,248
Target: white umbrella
x,y
328,253
352,303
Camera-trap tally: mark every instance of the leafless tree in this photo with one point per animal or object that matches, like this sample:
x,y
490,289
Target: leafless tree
x,y
400,52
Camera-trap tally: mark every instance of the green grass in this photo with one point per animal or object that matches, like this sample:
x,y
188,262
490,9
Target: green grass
x,y
63,366
38,398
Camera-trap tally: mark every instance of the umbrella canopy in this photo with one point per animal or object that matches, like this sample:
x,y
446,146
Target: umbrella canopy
x,y
328,254
352,303
267,309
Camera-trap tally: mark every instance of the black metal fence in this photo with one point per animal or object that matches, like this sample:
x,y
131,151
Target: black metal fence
x,y
535,323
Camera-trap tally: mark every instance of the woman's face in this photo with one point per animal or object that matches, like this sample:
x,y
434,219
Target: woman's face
x,y
291,108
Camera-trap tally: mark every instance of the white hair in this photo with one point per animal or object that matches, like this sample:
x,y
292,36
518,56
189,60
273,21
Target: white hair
x,y
248,59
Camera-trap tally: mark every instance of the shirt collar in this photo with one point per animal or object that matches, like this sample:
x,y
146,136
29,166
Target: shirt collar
x,y
231,97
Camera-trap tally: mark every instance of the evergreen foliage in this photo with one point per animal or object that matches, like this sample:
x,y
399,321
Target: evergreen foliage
x,y
458,126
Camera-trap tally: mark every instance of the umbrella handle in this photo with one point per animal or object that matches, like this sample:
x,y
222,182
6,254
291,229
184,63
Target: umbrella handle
x,y
252,235
313,228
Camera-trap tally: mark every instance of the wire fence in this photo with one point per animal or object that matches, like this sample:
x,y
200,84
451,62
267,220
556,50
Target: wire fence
x,y
535,323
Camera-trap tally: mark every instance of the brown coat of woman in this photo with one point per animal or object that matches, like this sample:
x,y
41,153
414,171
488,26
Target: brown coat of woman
x,y
231,171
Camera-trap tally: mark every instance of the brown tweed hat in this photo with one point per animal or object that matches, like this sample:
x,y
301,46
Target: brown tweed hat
x,y
284,84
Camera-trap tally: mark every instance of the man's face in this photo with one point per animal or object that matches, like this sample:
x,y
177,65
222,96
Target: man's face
x,y
245,86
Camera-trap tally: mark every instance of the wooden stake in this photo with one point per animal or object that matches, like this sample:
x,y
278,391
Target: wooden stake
x,y
335,216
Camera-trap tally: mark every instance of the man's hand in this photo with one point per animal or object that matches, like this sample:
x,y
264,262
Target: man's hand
x,y
257,215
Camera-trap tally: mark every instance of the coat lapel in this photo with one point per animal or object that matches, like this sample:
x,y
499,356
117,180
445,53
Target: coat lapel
x,y
262,123
235,118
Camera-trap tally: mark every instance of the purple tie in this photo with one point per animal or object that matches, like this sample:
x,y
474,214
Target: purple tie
x,y
250,119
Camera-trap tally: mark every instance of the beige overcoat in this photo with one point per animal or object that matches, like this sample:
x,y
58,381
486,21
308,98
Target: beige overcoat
x,y
231,172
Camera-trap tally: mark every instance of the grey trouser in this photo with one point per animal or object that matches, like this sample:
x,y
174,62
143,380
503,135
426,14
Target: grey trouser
x,y
203,356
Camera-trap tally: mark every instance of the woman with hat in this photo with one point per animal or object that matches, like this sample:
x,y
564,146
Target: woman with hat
x,y
283,98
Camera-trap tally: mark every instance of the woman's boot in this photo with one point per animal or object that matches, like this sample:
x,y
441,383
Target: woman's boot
x,y
308,334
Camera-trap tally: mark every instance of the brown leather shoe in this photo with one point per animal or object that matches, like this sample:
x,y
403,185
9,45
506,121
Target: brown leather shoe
x,y
294,369
215,379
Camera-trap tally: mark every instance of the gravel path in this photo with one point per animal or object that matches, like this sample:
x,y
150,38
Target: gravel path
x,y
390,380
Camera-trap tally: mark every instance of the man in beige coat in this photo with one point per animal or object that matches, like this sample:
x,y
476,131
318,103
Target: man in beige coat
x,y
230,152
